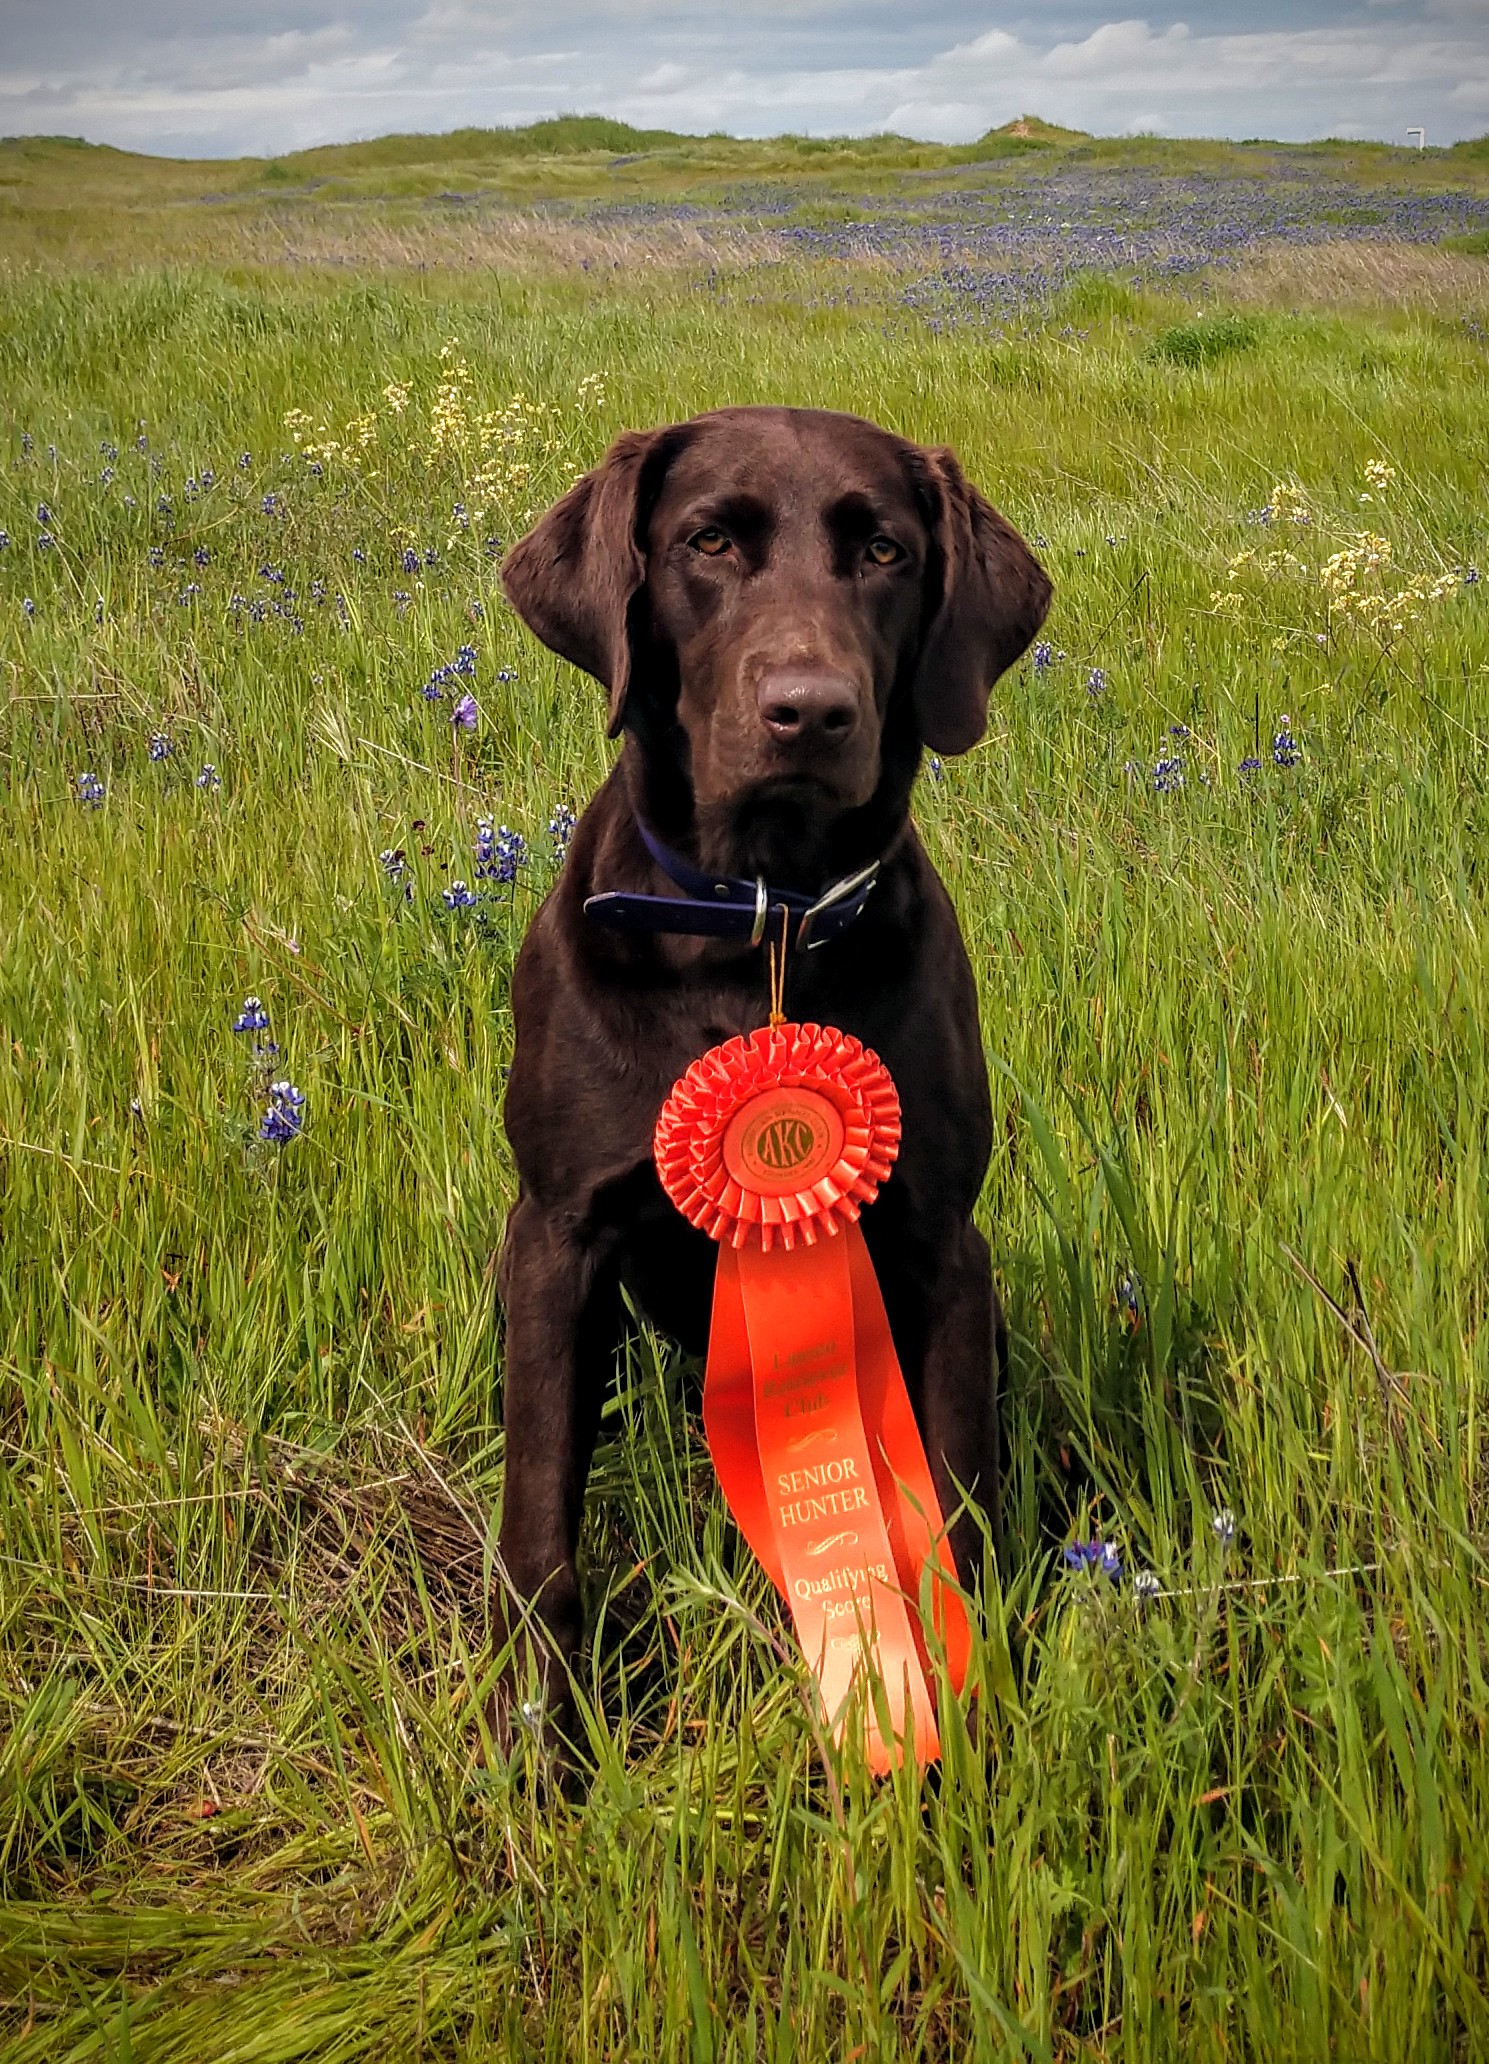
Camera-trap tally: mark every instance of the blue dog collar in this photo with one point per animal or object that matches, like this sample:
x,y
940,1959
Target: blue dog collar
x,y
727,906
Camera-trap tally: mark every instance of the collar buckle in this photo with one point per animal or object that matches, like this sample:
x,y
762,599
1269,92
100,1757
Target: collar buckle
x,y
840,892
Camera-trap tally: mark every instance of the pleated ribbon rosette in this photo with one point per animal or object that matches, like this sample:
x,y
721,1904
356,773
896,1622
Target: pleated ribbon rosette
x,y
772,1145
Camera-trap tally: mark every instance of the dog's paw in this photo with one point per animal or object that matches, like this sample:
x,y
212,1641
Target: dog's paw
x,y
536,1724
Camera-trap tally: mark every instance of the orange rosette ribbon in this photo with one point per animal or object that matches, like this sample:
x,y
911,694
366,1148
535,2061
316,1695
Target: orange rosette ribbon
x,y
772,1145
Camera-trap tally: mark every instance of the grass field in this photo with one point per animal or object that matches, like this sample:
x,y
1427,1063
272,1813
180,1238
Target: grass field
x,y
1220,865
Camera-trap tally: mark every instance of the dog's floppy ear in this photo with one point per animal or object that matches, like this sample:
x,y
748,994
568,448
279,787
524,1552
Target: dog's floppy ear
x,y
992,599
576,575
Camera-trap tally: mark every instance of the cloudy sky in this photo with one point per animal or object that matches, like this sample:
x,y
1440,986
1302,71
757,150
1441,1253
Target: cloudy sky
x,y
220,77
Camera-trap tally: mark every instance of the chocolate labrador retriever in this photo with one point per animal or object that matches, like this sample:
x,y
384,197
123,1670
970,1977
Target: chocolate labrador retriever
x,y
787,606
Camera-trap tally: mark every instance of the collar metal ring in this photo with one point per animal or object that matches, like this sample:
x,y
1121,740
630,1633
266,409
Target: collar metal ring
x,y
762,905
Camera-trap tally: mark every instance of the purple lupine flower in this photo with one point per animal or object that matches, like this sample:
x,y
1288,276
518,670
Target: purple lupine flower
x,y
511,853
560,831
1094,1554
1223,1526
1043,655
465,713
1250,765
1096,681
1145,1586
1168,774
410,561
159,746
209,777
284,1114
459,896
91,791
501,851
1286,751
201,556
253,1017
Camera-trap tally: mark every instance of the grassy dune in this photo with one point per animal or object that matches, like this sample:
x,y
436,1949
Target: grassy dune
x,y
491,196
249,1386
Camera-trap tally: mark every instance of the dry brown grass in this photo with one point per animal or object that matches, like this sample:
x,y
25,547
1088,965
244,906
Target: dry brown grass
x,y
373,238
506,242
1358,275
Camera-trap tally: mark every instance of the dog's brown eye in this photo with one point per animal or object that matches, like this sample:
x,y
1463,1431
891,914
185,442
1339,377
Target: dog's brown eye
x,y
709,542
884,551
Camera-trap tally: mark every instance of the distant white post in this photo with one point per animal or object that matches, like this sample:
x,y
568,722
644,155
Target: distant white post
x,y
1420,135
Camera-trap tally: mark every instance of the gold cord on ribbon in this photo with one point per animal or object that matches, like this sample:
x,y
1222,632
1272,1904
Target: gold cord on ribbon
x,y
778,972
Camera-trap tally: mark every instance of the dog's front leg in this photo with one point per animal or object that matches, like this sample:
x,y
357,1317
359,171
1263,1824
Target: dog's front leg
x,y
562,1313
959,1395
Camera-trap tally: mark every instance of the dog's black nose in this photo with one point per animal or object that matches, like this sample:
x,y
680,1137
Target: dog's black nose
x,y
808,708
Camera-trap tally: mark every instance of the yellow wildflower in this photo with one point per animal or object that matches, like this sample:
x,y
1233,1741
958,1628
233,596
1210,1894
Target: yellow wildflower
x,y
1290,504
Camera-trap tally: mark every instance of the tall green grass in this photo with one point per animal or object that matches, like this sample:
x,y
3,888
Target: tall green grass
x,y
249,1395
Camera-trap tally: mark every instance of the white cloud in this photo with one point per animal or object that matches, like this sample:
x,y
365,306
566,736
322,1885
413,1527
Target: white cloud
x,y
1114,50
210,79
667,78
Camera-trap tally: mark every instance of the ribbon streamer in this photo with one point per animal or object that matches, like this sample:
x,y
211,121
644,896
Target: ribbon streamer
x,y
773,1145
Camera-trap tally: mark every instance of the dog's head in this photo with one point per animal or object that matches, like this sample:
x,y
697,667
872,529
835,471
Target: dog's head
x,y
784,601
